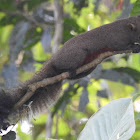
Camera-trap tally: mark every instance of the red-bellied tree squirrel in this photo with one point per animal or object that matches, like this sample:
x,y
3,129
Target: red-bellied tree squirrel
x,y
120,35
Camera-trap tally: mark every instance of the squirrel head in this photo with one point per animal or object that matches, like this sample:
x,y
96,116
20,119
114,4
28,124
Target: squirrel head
x,y
134,28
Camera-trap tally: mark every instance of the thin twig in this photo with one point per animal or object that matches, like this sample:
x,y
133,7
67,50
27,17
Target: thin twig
x,y
29,18
48,81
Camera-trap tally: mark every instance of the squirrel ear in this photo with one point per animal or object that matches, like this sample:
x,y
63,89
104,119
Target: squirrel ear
x,y
131,26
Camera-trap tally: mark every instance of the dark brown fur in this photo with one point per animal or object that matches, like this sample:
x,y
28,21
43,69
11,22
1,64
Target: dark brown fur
x,y
116,36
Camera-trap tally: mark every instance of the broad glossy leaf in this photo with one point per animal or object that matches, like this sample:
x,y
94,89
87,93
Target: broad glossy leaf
x,y
115,121
84,100
46,40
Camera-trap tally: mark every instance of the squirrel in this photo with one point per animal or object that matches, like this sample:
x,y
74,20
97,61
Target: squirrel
x,y
123,34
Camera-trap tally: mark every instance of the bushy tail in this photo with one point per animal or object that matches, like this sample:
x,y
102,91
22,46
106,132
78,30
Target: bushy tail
x,y
44,96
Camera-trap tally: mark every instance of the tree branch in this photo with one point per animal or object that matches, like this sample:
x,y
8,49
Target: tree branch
x,y
48,81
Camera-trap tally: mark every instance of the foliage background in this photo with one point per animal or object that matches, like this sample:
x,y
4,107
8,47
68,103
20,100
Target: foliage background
x,y
27,39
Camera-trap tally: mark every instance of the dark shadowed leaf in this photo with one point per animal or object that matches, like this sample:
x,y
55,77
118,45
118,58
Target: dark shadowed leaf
x,y
105,92
8,5
29,66
79,4
10,74
84,81
17,39
102,93
33,4
46,40
118,77
9,19
9,136
63,106
97,4
97,72
28,63
130,71
42,15
83,100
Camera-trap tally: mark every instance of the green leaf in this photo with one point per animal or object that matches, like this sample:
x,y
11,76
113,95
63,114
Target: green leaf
x,y
136,9
135,96
71,25
8,5
53,139
137,117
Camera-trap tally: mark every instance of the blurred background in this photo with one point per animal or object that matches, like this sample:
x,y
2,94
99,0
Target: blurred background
x,y
32,30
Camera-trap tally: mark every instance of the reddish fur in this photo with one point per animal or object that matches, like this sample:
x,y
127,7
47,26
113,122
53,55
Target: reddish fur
x,y
92,56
